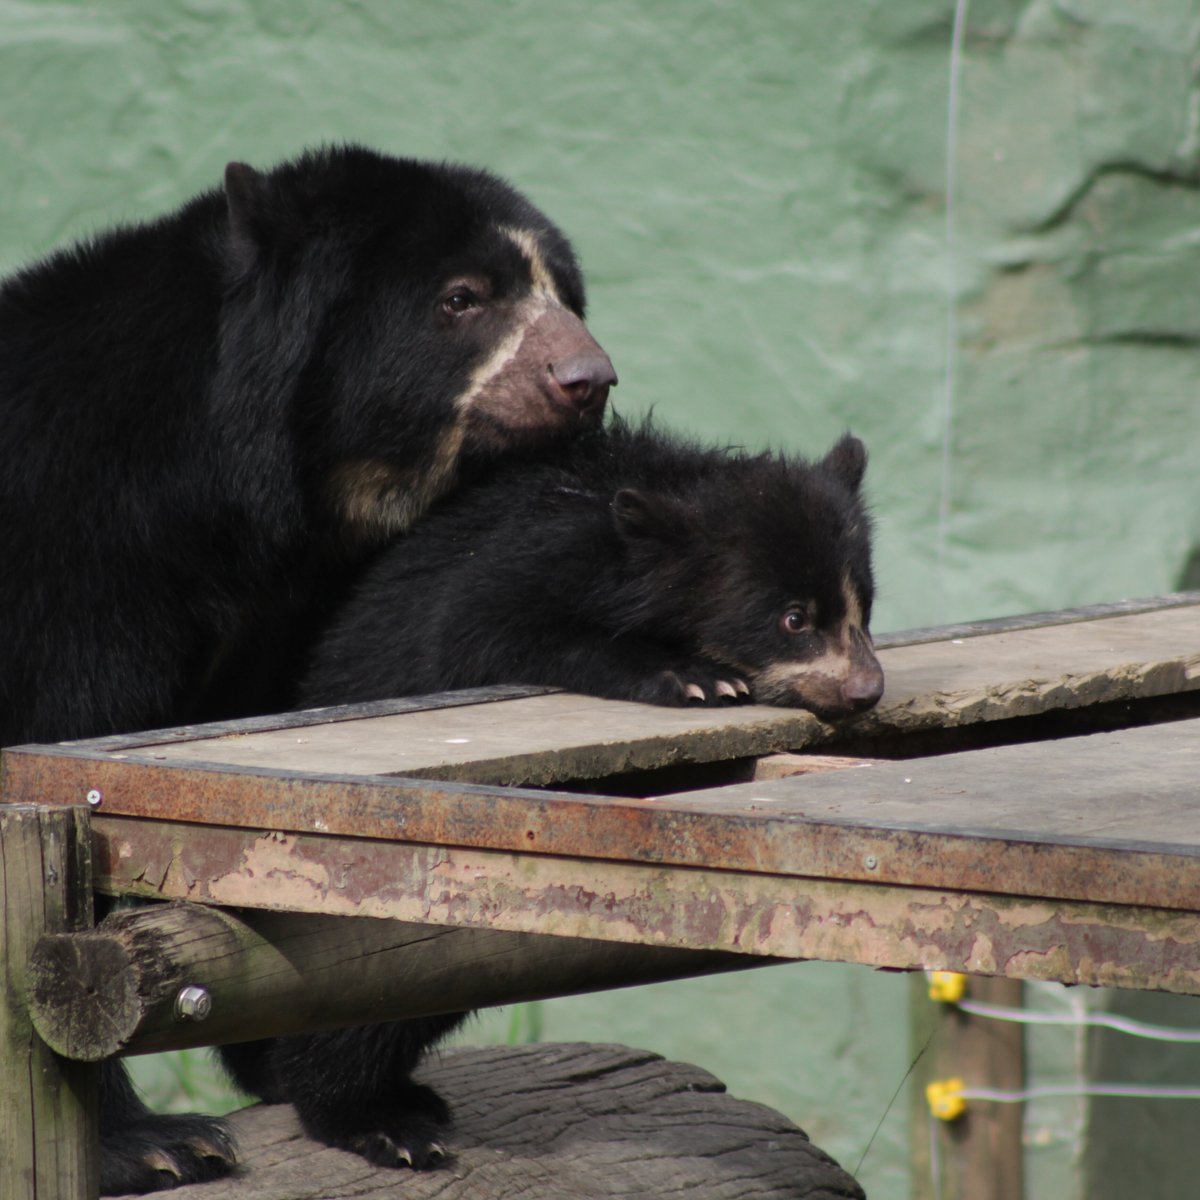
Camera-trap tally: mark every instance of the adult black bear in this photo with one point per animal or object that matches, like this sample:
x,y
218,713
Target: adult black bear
x,y
636,566
208,420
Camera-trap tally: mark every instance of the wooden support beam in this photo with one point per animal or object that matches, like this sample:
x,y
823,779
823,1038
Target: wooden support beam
x,y
48,1111
178,975
978,1155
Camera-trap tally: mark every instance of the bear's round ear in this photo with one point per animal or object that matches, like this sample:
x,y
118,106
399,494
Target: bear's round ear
x,y
246,197
637,515
848,461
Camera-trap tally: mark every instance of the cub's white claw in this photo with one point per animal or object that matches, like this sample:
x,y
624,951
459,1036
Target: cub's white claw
x,y
743,688
726,689
694,691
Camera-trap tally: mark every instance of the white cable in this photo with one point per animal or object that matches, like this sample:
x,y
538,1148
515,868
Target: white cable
x,y
1161,1033
1039,1091
935,1159
956,45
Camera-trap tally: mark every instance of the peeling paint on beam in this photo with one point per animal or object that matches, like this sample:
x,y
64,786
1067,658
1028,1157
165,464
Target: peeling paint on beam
x,y
906,928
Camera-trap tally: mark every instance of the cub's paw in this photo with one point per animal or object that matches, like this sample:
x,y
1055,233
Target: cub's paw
x,y
158,1152
697,684
407,1131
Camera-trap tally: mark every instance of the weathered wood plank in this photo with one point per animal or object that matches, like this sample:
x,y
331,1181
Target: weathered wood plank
x,y
538,740
48,1135
318,716
1109,817
554,737
620,1123
1031,671
1034,620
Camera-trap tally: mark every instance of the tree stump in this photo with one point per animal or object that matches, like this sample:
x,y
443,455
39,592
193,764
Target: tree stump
x,y
554,1122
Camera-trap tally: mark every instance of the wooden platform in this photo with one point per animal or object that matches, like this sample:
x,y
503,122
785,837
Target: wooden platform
x,y
554,1122
520,736
1023,803
1075,859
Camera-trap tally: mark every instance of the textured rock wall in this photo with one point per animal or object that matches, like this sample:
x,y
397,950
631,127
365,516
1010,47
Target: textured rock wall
x,y
759,195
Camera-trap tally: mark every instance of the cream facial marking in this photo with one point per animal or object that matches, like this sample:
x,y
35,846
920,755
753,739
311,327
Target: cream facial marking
x,y
823,675
854,612
539,274
377,500
506,350
542,297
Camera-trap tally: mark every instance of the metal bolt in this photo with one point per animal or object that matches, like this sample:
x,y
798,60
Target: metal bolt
x,y
192,1004
870,862
94,797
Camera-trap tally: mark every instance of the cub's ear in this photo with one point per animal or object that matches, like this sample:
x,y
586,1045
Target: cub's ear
x,y
248,199
848,461
637,515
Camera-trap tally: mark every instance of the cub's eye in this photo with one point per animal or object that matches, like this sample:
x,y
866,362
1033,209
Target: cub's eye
x,y
459,301
796,620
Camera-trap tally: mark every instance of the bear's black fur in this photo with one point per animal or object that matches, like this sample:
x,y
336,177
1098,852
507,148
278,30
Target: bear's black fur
x,y
638,567
635,566
628,564
210,419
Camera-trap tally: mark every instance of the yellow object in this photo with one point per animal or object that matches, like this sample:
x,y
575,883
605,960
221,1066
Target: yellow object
x,y
945,1098
947,986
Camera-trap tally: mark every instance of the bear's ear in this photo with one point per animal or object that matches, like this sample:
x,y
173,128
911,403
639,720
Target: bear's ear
x,y
848,461
247,197
637,515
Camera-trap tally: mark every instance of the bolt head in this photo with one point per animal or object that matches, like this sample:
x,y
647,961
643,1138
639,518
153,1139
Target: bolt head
x,y
192,1004
94,797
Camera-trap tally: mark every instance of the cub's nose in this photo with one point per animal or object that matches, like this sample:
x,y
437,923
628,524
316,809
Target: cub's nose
x,y
581,381
863,688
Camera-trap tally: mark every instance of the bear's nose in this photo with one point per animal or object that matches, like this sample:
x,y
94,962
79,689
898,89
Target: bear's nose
x,y
582,380
863,688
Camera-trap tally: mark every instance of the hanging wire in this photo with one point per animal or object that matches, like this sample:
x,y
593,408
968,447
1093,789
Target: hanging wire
x,y
1023,1016
943,518
1141,1091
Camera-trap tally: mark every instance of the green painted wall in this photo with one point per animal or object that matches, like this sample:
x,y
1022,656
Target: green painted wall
x,y
759,195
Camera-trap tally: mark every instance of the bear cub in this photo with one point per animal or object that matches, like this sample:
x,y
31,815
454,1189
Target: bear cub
x,y
634,565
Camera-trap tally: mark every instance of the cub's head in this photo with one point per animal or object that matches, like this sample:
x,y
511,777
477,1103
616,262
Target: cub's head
x,y
420,313
762,564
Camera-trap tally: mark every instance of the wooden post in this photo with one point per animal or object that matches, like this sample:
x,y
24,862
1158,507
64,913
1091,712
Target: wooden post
x,y
48,1106
979,1155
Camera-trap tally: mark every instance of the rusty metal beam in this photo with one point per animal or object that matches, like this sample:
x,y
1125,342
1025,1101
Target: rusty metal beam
x,y
1099,818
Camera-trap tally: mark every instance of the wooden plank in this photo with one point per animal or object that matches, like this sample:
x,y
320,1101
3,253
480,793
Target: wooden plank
x,y
49,1148
1027,672
538,740
1063,616
318,716
1112,945
551,738
1108,817
784,766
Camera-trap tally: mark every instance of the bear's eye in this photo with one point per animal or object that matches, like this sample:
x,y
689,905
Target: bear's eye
x,y
797,620
459,301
